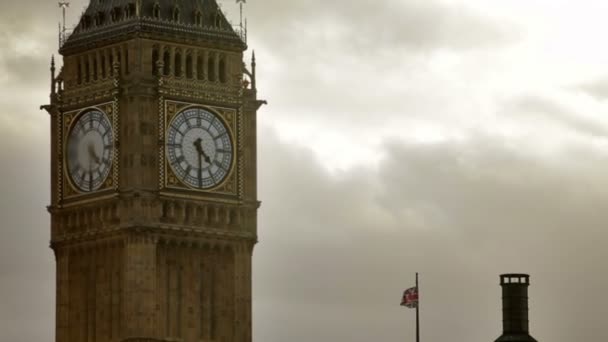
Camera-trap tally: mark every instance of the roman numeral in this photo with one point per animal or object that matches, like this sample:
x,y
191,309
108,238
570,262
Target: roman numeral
x,y
177,130
220,136
178,160
219,164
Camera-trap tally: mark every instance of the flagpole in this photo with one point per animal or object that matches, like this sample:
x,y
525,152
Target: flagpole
x,y
417,311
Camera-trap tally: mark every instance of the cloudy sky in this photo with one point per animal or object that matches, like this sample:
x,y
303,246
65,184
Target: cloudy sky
x,y
456,138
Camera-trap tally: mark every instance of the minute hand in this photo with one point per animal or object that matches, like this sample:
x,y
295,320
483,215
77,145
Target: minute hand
x,y
199,148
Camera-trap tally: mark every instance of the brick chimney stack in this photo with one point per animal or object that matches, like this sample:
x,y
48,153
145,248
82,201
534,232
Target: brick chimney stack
x,y
515,308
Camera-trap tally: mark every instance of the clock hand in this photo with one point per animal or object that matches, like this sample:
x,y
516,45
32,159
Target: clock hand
x,y
90,175
200,172
199,148
93,154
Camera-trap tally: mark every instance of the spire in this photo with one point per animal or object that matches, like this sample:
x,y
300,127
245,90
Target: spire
x,y
53,88
253,65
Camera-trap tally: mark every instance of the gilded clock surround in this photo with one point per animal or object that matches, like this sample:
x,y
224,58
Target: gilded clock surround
x,y
228,186
70,190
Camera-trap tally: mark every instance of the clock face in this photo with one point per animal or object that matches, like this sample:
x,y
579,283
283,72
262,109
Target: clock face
x,y
90,150
199,148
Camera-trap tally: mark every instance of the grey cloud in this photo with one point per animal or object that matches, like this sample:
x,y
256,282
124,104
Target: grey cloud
x,y
541,111
366,26
336,250
29,37
597,89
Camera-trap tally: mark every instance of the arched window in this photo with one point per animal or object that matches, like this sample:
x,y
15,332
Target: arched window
x,y
100,19
156,11
167,63
155,58
86,22
87,70
198,18
103,66
189,71
176,13
127,70
79,72
129,11
218,20
200,68
111,53
116,14
94,68
222,71
119,60
178,65
211,69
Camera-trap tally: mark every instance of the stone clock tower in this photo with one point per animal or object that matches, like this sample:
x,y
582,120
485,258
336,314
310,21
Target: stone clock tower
x,y
153,169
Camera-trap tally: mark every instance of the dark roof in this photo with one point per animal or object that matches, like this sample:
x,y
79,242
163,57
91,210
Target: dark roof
x,y
195,16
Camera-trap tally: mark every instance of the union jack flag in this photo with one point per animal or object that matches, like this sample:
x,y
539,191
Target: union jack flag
x,y
410,298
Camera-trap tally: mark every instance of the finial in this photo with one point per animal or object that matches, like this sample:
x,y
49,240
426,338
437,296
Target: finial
x,y
63,4
241,2
253,64
53,83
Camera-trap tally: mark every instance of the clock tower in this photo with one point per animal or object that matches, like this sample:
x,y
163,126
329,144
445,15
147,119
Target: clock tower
x,y
153,175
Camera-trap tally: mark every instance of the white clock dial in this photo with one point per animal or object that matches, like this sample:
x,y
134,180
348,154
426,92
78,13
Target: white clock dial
x,y
199,148
90,148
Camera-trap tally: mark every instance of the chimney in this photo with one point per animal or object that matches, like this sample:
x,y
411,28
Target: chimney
x,y
515,308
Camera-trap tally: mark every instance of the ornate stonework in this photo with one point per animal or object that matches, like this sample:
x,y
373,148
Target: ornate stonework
x,y
145,258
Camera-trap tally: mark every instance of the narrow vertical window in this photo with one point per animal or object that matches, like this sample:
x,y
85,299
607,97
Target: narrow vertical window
x,y
156,11
119,60
189,71
103,66
178,65
167,63
176,14
155,58
87,70
211,69
111,62
79,72
127,66
222,71
198,18
200,68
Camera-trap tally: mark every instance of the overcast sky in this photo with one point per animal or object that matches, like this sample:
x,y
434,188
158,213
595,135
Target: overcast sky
x,y
457,138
